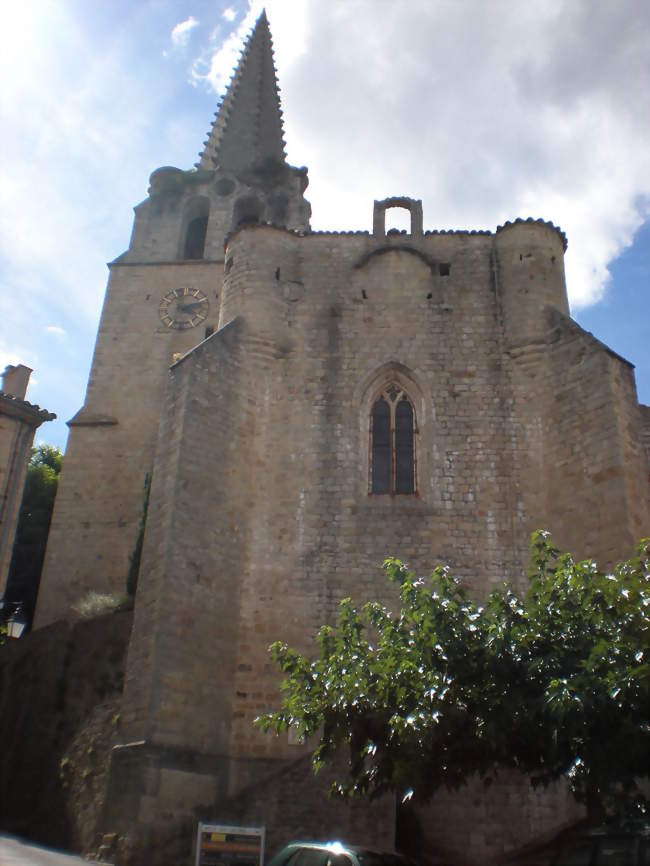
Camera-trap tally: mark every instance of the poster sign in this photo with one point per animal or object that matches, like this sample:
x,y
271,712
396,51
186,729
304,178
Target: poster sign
x,y
221,845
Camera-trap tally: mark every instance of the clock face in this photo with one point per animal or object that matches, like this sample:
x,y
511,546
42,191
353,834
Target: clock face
x,y
183,308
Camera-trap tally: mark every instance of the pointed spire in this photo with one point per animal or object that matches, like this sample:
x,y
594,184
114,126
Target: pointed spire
x,y
248,125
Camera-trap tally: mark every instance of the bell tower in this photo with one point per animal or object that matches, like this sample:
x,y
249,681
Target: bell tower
x,y
163,298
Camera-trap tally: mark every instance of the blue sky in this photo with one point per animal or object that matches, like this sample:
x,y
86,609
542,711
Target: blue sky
x,y
484,111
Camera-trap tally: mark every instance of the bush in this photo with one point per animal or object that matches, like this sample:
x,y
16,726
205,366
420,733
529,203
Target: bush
x,y
96,604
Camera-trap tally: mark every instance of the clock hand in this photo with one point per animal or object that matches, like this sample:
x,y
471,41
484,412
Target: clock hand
x,y
188,308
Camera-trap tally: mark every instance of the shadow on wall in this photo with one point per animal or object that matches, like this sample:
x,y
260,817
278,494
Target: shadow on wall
x,y
51,683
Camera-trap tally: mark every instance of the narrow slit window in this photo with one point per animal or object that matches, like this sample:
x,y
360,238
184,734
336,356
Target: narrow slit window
x,y
392,443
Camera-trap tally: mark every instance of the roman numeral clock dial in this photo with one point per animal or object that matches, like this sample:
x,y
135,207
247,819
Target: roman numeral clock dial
x,y
183,308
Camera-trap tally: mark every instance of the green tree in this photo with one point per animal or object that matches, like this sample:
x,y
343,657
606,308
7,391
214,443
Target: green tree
x,y
554,682
41,484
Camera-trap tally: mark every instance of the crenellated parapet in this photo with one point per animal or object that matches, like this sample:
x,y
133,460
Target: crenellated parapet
x,y
519,268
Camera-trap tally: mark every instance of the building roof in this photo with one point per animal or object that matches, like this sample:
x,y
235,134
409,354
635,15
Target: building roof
x,y
30,413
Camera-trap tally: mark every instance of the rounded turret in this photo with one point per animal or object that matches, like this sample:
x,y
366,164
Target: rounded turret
x,y
529,276
262,278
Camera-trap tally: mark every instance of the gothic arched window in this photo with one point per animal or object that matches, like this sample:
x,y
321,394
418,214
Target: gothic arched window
x,y
392,443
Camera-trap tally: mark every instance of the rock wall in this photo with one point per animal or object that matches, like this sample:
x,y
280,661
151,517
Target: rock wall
x,y
59,694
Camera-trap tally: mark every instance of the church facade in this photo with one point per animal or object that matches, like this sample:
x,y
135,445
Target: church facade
x,y
305,404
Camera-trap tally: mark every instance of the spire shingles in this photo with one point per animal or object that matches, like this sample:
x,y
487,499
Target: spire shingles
x,y
248,125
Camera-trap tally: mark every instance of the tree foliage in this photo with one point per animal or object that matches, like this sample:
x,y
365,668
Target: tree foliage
x,y
554,682
41,484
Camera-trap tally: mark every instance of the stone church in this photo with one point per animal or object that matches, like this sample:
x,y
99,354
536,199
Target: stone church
x,y
307,403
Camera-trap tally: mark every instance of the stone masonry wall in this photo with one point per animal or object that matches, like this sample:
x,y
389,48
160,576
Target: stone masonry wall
x,y
112,439
186,611
16,438
645,432
579,447
481,823
318,535
261,519
634,451
177,705
293,804
260,485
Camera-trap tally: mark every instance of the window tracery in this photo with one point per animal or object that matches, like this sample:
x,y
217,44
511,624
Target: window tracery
x,y
392,443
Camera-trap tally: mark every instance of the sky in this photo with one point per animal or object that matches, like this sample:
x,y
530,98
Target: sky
x,y
485,111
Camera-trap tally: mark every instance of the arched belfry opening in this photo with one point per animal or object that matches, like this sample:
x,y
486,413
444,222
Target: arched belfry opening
x,y
247,211
195,228
413,206
397,220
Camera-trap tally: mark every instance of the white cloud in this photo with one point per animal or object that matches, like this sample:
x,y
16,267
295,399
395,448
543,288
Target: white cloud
x,y
57,330
488,112
215,66
78,116
485,111
180,34
229,14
